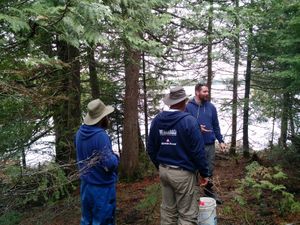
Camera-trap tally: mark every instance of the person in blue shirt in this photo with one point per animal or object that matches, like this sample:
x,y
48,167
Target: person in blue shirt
x,y
176,148
97,166
206,114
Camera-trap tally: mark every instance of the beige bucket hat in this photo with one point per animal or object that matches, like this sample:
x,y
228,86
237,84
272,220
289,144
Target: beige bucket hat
x,y
176,95
97,110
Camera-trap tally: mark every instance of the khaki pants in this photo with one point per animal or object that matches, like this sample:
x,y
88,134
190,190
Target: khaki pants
x,y
179,197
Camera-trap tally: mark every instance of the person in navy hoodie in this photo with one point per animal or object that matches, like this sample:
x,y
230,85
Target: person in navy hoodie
x,y
206,114
176,148
97,166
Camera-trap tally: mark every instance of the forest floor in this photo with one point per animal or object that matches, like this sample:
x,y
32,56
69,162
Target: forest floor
x,y
138,203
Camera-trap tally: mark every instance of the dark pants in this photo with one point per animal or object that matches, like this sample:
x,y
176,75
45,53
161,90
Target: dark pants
x,y
98,204
210,155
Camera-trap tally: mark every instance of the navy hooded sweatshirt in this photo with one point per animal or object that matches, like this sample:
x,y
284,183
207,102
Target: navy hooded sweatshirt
x,y
206,114
175,139
96,161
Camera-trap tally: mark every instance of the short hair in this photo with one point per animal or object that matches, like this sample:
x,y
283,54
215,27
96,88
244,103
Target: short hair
x,y
199,86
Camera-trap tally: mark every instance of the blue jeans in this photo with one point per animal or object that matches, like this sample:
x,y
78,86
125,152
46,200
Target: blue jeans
x,y
98,204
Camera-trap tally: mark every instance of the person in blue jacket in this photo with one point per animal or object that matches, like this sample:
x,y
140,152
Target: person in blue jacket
x,y
97,166
176,148
206,114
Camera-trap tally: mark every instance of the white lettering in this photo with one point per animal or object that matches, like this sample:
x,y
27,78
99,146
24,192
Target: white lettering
x,y
168,132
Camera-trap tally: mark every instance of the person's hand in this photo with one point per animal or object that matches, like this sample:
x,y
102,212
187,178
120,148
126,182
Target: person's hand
x,y
203,181
204,129
222,147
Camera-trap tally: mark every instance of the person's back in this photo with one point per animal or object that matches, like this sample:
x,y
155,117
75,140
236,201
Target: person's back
x,y
176,148
97,165
176,141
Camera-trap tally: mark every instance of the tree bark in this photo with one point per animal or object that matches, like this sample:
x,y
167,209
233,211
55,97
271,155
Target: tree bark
x,y
291,117
23,159
209,48
94,82
67,113
246,152
235,81
145,100
284,121
118,129
130,140
273,129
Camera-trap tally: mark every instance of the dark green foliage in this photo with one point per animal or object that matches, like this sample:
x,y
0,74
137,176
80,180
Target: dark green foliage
x,y
10,218
152,197
20,125
266,190
296,144
288,158
276,63
277,45
172,34
150,203
33,187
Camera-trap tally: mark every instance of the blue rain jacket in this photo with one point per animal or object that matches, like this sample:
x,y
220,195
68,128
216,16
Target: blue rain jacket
x,y
175,139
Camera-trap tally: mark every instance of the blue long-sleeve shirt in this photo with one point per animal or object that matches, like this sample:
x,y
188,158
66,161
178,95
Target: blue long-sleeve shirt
x,y
96,161
175,139
206,114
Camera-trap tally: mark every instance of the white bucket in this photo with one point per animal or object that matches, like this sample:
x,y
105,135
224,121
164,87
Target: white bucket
x,y
207,211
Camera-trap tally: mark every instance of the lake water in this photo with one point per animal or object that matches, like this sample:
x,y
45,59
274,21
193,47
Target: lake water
x,y
259,132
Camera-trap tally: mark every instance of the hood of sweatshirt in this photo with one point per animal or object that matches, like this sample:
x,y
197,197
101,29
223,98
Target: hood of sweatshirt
x,y
193,101
167,119
203,104
87,131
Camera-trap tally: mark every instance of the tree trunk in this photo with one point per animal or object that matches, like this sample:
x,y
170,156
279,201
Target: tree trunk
x,y
118,129
246,153
273,128
235,81
145,100
291,116
284,121
209,48
67,113
94,82
23,158
130,140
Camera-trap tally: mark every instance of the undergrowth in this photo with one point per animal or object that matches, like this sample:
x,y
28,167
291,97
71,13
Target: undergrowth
x,y
263,188
150,202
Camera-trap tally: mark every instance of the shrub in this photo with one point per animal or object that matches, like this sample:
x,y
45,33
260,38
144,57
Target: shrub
x,y
265,184
10,218
33,186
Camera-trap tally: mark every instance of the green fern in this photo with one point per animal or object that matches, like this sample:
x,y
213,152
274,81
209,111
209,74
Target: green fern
x,y
259,179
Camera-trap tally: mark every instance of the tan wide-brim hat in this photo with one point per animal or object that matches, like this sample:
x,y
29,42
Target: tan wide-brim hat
x,y
97,110
175,96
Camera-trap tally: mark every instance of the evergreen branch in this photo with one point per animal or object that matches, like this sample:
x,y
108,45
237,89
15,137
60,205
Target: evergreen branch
x,y
194,26
67,5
